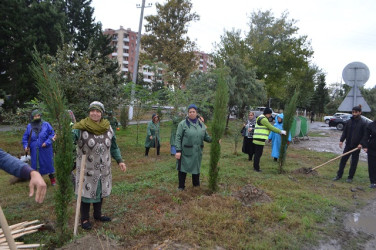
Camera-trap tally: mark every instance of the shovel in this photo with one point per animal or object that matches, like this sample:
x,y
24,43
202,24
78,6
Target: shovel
x,y
319,166
79,194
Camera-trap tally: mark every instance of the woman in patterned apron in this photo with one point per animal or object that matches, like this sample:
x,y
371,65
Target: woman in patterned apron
x,y
96,139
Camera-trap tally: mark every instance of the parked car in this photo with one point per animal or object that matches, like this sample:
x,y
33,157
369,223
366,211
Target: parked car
x,y
260,110
341,121
336,115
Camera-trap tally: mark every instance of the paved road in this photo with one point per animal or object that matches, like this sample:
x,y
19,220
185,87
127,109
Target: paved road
x,y
328,143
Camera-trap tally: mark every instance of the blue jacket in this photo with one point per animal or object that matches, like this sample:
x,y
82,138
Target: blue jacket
x,y
276,138
14,166
45,163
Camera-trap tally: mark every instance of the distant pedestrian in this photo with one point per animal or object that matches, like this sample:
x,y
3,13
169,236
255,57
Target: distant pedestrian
x,y
261,134
312,116
276,139
190,137
37,140
247,133
369,142
152,139
353,133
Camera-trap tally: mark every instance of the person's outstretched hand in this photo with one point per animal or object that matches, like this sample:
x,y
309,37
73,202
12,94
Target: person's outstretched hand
x,y
37,181
122,166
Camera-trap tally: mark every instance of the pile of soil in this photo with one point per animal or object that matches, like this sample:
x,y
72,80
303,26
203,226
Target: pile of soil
x,y
250,194
305,171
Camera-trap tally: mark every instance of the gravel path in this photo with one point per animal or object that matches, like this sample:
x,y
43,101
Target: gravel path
x,y
328,143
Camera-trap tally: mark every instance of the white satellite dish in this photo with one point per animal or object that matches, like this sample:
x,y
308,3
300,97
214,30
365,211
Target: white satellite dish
x,y
355,74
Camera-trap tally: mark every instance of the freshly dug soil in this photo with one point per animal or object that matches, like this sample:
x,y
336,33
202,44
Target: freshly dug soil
x,y
305,171
250,194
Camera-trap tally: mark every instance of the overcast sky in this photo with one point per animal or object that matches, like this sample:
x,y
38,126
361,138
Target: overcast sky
x,y
340,31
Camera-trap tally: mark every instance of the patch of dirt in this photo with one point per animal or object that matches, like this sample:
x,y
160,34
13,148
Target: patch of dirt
x,y
171,245
93,242
250,194
306,171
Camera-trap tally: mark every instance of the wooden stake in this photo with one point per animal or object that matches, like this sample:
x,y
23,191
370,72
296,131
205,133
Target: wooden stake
x,y
5,227
79,194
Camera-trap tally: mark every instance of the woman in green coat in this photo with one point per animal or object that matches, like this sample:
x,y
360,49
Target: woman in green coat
x,y
152,136
189,143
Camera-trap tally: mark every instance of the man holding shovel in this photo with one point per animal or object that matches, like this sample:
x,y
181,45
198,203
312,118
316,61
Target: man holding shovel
x,y
353,133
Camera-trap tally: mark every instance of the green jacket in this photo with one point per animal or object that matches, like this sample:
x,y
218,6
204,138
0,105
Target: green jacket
x,y
189,141
261,132
152,130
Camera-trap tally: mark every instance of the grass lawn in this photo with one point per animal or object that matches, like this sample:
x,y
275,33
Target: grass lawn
x,y
147,208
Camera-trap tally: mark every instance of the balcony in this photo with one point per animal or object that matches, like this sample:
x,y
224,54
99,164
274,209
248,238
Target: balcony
x,y
126,47
147,80
126,39
124,69
125,62
114,54
147,73
125,54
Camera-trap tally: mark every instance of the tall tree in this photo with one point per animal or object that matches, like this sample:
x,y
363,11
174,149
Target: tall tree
x,y
53,96
166,39
277,51
200,89
23,25
218,127
45,24
231,44
370,97
244,89
84,79
320,96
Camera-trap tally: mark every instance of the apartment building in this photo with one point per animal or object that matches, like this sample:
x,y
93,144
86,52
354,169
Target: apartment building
x,y
125,42
204,61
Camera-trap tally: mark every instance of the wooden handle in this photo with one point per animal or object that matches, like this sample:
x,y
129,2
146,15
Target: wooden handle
x,y
349,152
79,194
8,235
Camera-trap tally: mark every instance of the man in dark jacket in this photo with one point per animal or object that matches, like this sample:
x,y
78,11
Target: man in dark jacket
x,y
353,133
369,142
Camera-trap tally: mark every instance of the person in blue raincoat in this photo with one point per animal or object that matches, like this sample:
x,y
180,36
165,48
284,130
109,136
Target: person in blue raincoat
x,y
37,140
275,138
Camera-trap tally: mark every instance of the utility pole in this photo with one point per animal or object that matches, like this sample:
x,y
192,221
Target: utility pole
x,y
135,66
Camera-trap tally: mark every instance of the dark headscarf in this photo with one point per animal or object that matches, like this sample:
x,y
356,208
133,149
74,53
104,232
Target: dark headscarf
x,y
36,125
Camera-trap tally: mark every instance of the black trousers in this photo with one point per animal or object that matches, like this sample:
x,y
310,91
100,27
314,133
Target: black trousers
x,y
372,168
248,147
182,176
353,162
147,150
85,210
258,153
